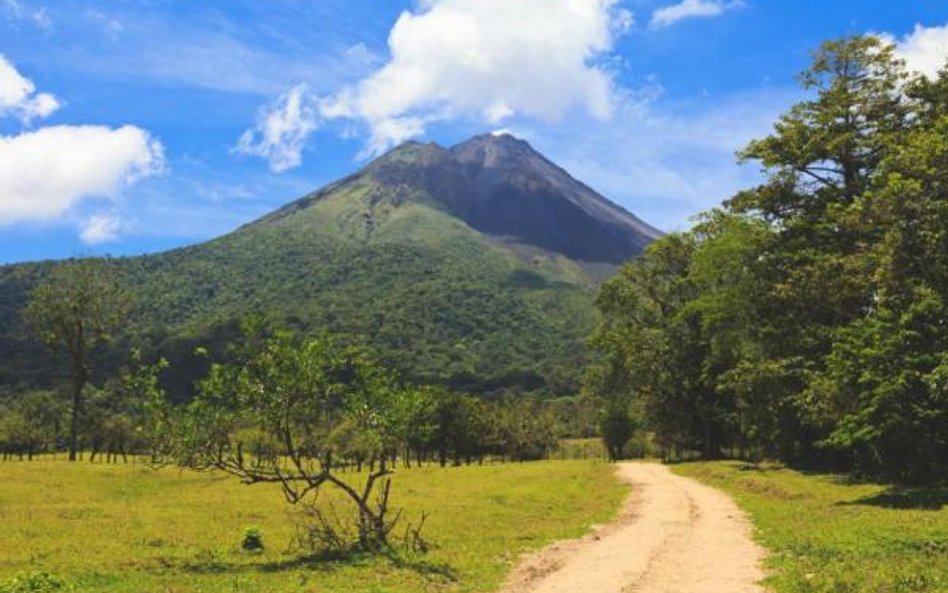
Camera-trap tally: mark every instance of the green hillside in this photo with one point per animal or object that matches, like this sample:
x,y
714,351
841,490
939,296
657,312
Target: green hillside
x,y
377,256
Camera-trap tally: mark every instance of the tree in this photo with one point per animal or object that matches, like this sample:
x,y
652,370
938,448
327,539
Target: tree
x,y
814,270
884,384
820,161
74,310
886,379
297,412
524,427
616,427
656,350
804,321
824,150
31,425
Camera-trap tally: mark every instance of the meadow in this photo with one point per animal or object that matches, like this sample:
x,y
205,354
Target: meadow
x,y
130,528
827,534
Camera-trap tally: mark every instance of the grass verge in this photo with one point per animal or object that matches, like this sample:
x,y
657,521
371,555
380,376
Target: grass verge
x,y
125,529
828,535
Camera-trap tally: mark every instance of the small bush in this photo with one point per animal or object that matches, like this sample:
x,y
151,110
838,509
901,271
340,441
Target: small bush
x,y
35,582
252,540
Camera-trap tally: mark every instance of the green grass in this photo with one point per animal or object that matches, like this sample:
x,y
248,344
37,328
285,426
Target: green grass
x,y
828,535
124,529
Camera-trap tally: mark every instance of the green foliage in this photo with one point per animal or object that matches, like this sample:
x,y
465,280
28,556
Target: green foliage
x,y
302,413
252,540
35,582
886,374
31,424
616,429
804,321
655,348
74,310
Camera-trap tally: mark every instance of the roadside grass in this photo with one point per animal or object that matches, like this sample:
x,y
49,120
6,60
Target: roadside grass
x,y
131,529
826,534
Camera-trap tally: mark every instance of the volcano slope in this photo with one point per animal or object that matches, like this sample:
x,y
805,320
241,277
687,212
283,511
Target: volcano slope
x,y
474,266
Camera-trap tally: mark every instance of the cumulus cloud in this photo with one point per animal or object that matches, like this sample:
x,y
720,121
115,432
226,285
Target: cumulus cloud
x,y
100,228
46,172
282,129
688,9
925,49
487,60
18,96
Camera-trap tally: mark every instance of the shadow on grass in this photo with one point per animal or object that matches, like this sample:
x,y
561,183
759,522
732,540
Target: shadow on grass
x,y
900,497
430,570
328,562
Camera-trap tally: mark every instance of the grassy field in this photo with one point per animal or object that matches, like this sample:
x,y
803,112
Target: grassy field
x,y
125,529
827,535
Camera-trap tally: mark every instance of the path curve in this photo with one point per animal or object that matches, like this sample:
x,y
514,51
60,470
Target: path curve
x,y
674,535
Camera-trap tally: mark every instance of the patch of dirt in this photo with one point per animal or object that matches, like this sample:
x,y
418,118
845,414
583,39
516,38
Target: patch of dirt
x,y
674,535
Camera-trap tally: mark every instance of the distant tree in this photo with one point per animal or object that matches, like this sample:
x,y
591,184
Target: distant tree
x,y
616,427
75,309
112,421
31,424
526,428
656,348
460,427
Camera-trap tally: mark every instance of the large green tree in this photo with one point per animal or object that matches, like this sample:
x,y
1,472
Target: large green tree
x,y
76,308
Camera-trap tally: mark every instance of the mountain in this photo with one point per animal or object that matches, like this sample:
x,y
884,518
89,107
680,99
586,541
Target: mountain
x,y
474,266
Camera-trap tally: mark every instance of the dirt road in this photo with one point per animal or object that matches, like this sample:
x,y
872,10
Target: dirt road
x,y
674,536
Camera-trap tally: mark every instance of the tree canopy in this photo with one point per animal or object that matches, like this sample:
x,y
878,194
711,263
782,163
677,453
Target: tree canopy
x,y
804,320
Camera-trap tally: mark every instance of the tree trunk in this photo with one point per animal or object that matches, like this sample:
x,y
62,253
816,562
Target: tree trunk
x,y
77,385
79,379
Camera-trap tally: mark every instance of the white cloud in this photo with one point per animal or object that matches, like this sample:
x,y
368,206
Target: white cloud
x,y
100,228
45,173
925,50
282,130
486,60
687,9
360,53
214,56
16,10
18,96
111,26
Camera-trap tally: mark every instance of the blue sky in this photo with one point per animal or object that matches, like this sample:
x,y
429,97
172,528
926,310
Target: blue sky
x,y
136,126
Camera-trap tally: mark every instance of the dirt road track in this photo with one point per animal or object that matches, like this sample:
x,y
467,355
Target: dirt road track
x,y
674,536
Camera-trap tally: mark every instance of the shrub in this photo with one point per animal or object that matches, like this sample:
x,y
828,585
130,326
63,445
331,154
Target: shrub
x,y
35,582
252,540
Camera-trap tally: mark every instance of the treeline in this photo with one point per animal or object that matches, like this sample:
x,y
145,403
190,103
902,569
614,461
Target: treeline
x,y
79,309
443,427
434,424
805,319
38,423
